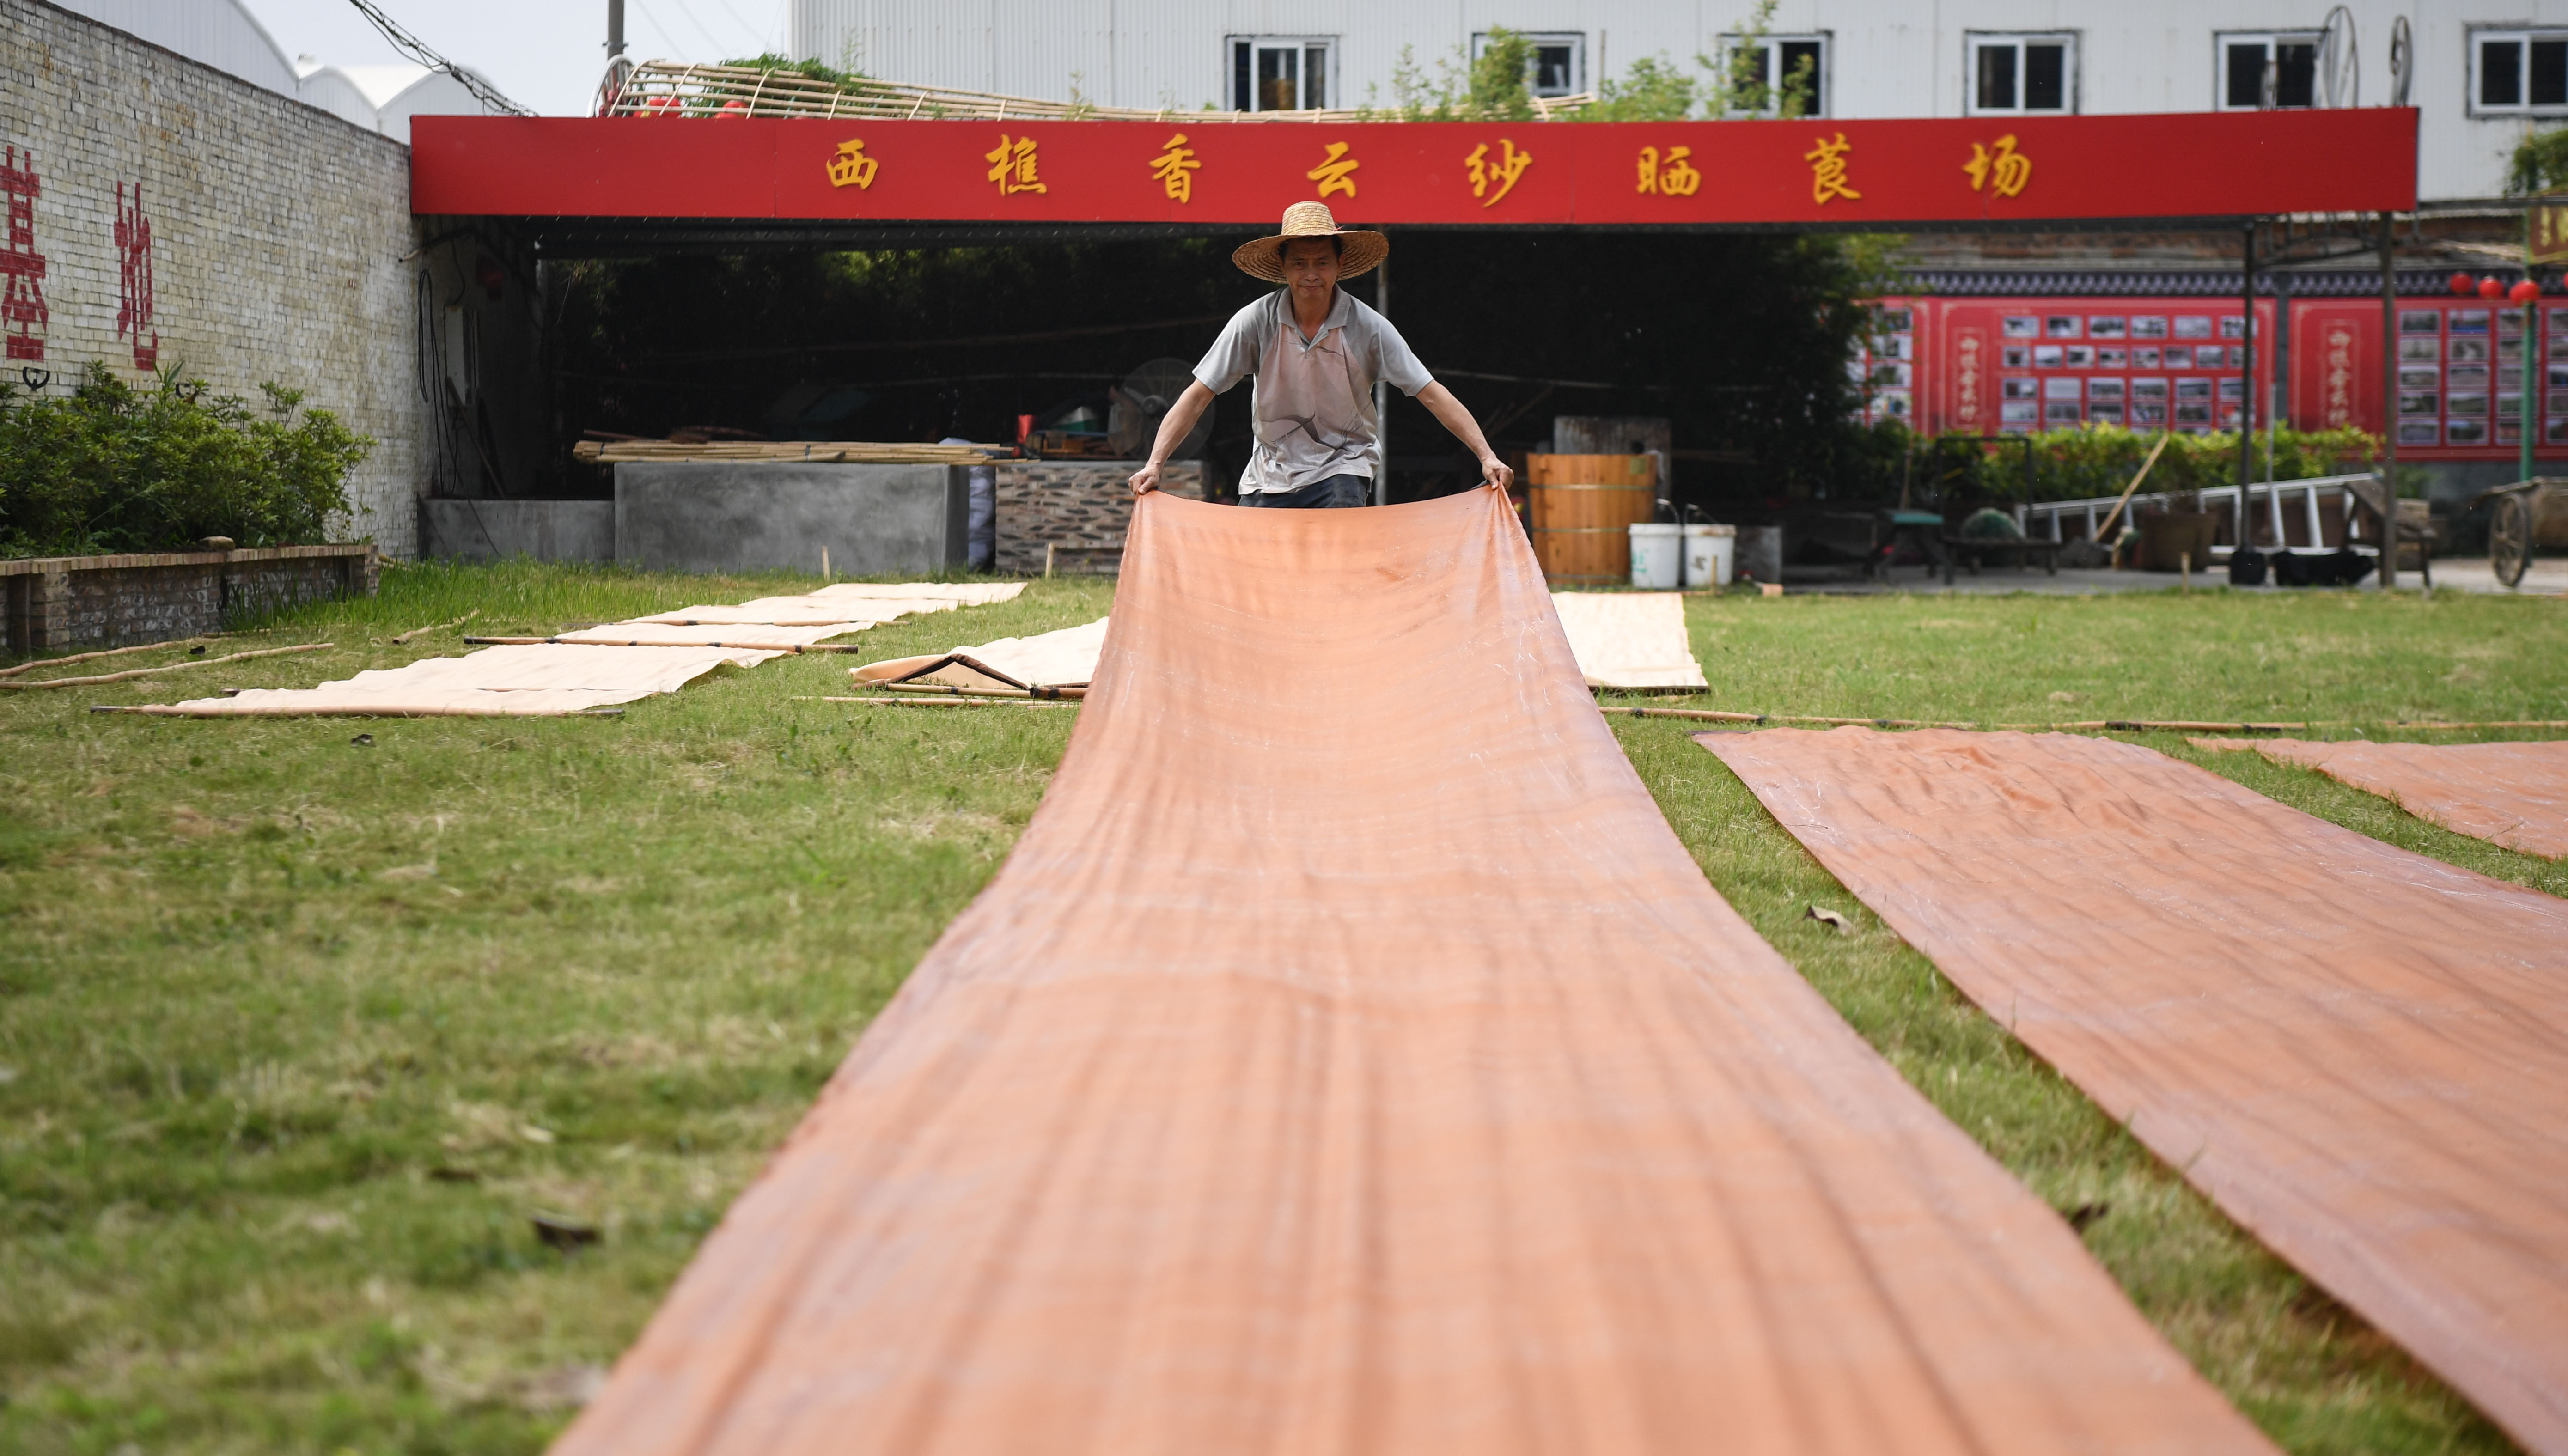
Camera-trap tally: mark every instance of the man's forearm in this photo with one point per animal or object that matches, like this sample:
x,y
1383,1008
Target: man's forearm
x,y
1448,412
1179,421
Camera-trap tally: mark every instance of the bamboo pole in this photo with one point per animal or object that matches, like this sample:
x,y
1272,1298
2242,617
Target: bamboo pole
x,y
84,657
947,690
794,647
925,702
348,709
164,668
2163,436
440,627
2096,724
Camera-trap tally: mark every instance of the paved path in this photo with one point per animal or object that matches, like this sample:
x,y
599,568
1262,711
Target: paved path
x,y
2549,575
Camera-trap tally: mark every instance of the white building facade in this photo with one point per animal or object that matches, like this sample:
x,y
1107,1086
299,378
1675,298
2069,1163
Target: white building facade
x,y
2480,73
224,35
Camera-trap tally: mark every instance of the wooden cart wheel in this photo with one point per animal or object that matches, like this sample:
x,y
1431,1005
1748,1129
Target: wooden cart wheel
x,y
2510,539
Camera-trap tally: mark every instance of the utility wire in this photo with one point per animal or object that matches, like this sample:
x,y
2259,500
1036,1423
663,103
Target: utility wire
x,y
419,51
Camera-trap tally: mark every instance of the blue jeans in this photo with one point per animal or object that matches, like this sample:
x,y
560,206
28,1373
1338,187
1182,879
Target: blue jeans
x,y
1337,490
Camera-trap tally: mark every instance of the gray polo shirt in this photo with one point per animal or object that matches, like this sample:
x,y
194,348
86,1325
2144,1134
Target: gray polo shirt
x,y
1313,402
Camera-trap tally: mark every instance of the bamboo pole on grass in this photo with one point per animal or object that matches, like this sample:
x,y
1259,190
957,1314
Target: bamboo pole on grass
x,y
164,668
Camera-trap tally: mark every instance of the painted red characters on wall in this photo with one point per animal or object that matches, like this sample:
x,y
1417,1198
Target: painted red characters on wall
x,y
134,277
23,314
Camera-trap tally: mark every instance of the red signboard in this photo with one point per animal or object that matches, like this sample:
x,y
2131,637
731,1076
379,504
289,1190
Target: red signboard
x,y
2006,366
2460,374
1191,169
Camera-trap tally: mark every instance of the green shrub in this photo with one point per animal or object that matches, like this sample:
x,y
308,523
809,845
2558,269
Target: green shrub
x,y
114,467
2084,461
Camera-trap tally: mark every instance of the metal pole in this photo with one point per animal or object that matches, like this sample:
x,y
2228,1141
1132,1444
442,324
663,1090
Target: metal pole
x,y
1382,391
2277,399
2246,386
2388,411
2531,349
614,29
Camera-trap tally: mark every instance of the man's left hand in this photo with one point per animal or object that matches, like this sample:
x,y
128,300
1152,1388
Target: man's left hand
x,y
1495,472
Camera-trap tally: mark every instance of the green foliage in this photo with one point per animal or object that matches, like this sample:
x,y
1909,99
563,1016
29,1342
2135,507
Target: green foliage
x,y
2089,461
112,468
1495,86
1743,88
1654,89
2539,163
847,81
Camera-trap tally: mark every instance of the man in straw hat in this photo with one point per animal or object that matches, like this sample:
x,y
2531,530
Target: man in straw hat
x,y
1315,351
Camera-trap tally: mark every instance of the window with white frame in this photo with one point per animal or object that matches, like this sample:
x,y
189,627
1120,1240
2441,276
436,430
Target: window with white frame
x,y
1560,60
2520,73
2263,72
1779,63
1282,73
2016,74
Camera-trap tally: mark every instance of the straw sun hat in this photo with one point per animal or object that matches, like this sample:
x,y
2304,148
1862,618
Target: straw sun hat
x,y
1264,258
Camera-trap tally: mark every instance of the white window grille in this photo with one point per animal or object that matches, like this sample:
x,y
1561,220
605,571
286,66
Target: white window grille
x,y
1560,60
2020,74
1778,60
2517,72
2267,71
1282,73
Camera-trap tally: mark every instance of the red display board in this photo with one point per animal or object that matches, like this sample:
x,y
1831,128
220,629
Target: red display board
x,y
2006,366
1859,173
2459,385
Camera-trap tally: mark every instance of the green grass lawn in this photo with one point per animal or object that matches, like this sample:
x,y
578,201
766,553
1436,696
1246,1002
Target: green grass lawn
x,y
296,1035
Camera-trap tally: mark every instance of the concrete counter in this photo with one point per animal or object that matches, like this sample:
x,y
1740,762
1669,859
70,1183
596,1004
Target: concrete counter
x,y
770,514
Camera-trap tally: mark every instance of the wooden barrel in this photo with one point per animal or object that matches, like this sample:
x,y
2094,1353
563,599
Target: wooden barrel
x,y
1583,509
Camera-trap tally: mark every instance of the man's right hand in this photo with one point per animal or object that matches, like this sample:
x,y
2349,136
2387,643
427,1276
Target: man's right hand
x,y
1145,479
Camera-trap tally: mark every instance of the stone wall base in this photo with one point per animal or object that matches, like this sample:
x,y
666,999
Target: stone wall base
x,y
1084,508
56,603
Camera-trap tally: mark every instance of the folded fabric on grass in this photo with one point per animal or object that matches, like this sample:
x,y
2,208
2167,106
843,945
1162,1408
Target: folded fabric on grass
x,y
1631,640
545,681
1620,640
1064,659
2514,795
2361,1053
862,603
617,661
1349,1059
740,634
960,593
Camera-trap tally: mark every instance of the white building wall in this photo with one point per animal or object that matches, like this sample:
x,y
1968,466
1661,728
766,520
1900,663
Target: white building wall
x,y
1887,58
218,33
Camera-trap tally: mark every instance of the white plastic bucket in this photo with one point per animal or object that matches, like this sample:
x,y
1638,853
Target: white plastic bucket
x,y
1710,553
1657,552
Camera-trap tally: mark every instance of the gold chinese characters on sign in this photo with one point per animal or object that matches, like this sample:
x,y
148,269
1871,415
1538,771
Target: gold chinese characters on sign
x,y
2002,171
851,167
1827,163
1674,177
1336,172
1012,167
2549,234
1503,170
1174,169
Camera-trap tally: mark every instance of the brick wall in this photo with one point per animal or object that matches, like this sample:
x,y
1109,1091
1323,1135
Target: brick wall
x,y
56,603
1086,506
186,217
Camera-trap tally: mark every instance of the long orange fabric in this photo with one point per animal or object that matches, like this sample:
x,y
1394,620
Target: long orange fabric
x,y
1349,1059
2509,794
2359,1052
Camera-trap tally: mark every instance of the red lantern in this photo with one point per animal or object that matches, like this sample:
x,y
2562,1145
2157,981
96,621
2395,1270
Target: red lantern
x,y
2490,289
2523,292
2461,285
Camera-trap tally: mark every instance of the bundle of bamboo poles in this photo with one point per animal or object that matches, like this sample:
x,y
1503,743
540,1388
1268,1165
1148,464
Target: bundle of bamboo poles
x,y
843,452
675,89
